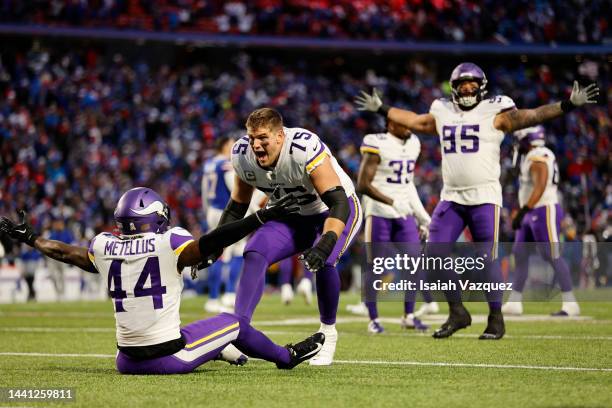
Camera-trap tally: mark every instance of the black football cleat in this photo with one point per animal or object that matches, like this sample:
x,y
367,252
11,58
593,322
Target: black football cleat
x,y
458,318
302,351
495,327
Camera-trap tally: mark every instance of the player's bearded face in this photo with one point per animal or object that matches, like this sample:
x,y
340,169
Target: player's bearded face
x,y
266,144
468,88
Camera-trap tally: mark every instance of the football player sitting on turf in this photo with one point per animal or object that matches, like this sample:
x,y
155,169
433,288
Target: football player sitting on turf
x,y
143,268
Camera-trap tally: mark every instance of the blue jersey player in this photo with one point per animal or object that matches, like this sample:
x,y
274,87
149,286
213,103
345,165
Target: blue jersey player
x,y
217,181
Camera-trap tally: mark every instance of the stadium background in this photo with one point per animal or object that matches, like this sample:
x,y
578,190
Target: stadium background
x,y
102,95
84,117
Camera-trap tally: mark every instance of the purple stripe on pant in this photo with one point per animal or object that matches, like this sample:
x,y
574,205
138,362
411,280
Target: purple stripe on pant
x,y
448,221
204,341
276,240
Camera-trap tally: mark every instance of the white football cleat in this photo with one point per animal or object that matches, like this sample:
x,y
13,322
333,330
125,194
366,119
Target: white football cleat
x,y
215,306
568,309
286,293
358,309
232,355
513,308
304,288
427,308
326,355
228,300
375,327
410,321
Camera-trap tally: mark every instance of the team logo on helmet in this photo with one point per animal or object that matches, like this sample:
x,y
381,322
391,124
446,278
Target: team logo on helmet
x,y
141,210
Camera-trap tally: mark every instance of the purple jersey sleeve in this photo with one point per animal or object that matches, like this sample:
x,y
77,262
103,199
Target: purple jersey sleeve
x,y
179,239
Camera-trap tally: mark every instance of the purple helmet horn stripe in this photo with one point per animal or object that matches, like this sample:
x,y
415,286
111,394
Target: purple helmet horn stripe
x,y
141,210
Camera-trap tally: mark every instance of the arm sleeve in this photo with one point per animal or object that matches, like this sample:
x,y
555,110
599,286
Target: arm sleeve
x,y
417,206
227,234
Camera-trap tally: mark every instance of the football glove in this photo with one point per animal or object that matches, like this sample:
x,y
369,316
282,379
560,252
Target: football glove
x,y
372,103
403,208
581,96
518,218
285,206
20,232
314,258
204,264
424,232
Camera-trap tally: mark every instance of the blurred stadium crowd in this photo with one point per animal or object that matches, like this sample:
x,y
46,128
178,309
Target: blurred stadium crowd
x,y
77,129
522,21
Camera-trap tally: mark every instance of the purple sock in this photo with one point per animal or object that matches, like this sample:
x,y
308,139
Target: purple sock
x,y
409,307
328,293
520,273
251,284
255,344
372,310
307,274
562,274
285,271
494,297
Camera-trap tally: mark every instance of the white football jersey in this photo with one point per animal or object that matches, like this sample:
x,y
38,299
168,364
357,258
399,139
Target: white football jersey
x,y
394,172
470,150
144,283
544,155
301,153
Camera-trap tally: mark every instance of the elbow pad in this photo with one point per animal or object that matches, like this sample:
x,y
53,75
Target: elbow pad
x,y
337,201
233,211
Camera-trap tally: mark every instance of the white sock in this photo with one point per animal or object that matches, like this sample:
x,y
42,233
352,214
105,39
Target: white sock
x,y
568,296
515,296
327,327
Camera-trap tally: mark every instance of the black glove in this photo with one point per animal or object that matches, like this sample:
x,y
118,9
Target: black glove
x,y
285,206
315,257
22,232
211,259
518,218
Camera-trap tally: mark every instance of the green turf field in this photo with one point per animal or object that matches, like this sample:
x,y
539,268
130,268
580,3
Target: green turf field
x,y
541,362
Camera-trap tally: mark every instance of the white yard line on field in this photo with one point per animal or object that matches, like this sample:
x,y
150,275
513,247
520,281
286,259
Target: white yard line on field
x,y
358,362
314,322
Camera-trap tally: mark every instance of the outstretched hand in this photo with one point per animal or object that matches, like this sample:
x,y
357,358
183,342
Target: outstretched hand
x,y
20,232
583,95
369,102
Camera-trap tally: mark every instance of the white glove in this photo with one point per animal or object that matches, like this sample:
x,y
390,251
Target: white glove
x,y
367,102
581,96
424,232
403,208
